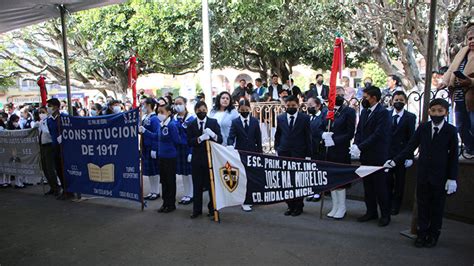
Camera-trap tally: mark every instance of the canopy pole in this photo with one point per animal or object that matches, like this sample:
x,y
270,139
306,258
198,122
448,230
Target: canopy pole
x,y
206,81
62,9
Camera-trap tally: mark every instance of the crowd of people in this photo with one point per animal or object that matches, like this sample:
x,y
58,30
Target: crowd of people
x,y
385,134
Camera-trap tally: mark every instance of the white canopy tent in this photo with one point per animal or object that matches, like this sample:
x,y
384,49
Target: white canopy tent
x,y
16,14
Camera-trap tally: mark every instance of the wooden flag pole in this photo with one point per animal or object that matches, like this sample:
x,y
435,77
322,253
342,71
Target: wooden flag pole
x,y
211,177
325,158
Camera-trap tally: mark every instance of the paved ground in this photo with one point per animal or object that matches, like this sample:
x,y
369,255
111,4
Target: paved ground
x,y
38,230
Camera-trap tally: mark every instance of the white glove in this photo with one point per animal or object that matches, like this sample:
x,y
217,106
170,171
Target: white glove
x,y
203,137
408,163
327,135
153,154
329,142
2,128
355,151
451,186
190,157
307,158
389,164
211,133
59,139
141,129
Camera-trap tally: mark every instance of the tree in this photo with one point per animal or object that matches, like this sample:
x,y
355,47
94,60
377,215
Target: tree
x,y
395,30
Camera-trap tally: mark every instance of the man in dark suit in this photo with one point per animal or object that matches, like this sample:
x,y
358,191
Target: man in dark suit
x,y
372,143
245,130
437,142
200,130
294,90
293,139
274,89
403,128
320,90
240,92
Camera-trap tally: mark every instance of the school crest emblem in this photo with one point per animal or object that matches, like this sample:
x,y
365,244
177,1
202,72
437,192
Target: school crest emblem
x,y
229,176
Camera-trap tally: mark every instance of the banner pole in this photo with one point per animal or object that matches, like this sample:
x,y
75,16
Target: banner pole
x,y
211,177
141,158
325,159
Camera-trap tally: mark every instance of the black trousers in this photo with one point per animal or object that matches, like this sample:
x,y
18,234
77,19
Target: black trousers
x,y
49,166
58,163
201,180
376,192
168,181
296,204
430,199
397,186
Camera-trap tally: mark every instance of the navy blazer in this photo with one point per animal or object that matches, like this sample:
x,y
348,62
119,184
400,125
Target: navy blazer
x,y
317,130
245,140
343,128
402,133
313,92
438,158
373,136
298,140
199,149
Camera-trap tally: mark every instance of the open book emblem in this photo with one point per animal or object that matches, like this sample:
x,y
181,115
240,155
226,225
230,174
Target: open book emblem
x,y
229,176
104,174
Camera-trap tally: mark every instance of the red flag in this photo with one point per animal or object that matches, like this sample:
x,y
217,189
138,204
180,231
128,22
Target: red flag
x,y
44,93
132,78
337,66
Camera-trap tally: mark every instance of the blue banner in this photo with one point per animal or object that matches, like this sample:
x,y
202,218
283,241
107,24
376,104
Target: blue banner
x,y
101,155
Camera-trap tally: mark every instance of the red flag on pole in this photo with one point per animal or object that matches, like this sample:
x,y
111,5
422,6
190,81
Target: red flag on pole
x,y
337,66
132,78
44,93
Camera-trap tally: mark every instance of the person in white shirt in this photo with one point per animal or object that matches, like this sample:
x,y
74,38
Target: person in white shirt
x,y
224,112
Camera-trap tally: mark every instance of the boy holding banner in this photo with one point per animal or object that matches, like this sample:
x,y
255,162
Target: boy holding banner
x,y
293,139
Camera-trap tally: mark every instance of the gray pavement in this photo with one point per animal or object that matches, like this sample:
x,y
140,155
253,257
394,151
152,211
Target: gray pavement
x,y
38,230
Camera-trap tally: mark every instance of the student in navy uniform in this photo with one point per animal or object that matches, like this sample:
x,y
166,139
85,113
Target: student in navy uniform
x,y
150,130
372,143
437,141
183,159
403,128
293,139
199,131
317,117
338,142
245,134
169,139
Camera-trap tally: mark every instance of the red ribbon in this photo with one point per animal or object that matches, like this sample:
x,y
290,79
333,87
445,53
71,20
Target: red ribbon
x,y
337,66
44,93
132,78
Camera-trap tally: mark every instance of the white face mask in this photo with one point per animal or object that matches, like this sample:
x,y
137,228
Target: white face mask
x,y
162,117
43,116
15,124
50,110
144,110
179,108
117,109
93,112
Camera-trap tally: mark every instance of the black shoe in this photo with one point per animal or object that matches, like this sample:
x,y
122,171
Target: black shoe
x,y
367,217
17,187
195,215
154,196
162,209
316,199
431,241
384,221
147,196
169,209
50,192
395,212
420,242
288,212
297,212
187,202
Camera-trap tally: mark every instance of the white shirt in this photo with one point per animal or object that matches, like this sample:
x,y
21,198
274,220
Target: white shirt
x,y
289,118
440,126
45,136
275,91
400,114
199,123
372,109
245,119
319,89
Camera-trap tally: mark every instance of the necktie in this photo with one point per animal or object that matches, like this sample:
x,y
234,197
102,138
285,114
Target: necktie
x,y
368,114
395,120
201,127
436,133
246,125
292,122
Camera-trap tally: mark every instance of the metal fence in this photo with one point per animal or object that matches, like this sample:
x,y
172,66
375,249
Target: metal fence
x,y
266,113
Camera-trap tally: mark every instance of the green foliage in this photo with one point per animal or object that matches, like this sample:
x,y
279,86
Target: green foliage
x,y
372,70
